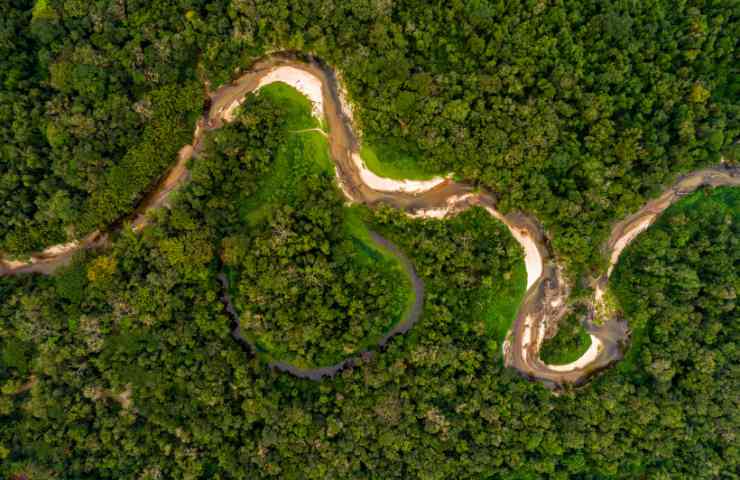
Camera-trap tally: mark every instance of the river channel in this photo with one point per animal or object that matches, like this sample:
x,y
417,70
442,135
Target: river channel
x,y
547,298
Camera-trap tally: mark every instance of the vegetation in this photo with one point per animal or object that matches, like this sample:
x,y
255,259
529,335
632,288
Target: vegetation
x,y
471,253
392,161
302,151
121,365
555,107
145,314
310,286
95,110
691,257
569,343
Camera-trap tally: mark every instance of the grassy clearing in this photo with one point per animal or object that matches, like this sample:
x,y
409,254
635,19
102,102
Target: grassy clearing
x,y
306,152
42,11
501,302
356,227
725,199
297,107
392,161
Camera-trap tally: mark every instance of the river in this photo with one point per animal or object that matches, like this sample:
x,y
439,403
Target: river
x,y
546,299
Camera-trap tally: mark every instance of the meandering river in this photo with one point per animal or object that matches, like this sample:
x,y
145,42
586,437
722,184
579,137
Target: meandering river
x,y
411,316
546,299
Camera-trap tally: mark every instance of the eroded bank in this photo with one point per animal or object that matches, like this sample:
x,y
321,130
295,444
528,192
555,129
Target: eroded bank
x,y
546,299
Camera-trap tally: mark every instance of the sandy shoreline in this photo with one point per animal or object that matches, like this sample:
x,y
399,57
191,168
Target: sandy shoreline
x,y
546,299
385,184
583,361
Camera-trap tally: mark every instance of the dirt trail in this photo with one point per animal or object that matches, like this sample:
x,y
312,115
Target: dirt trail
x,y
546,299
25,387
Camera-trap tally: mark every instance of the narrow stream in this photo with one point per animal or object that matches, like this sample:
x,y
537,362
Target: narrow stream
x,y
411,317
546,300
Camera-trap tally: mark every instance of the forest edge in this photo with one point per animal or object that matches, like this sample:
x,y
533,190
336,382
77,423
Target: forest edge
x,y
545,301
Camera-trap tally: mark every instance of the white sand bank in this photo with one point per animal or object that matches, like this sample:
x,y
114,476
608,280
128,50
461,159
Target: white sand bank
x,y
384,184
532,258
583,361
626,239
301,80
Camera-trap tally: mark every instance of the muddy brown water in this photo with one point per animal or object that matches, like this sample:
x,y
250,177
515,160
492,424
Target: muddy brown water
x,y
545,302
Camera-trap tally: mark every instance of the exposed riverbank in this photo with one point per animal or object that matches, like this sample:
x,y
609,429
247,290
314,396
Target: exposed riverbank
x,y
546,300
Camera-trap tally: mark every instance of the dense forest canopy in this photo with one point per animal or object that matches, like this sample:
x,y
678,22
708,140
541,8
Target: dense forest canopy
x,y
310,286
574,111
705,278
94,107
121,365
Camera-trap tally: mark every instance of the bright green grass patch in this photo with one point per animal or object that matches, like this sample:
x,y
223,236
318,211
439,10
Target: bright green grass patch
x,y
500,303
306,152
42,11
569,343
724,199
355,225
391,161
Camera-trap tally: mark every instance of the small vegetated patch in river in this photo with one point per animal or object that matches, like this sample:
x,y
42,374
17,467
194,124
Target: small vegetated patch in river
x,y
309,285
570,342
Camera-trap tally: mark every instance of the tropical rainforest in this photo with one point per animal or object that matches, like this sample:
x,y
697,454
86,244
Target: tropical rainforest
x,y
123,364
301,265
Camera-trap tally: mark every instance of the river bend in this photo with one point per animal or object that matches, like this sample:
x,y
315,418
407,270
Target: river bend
x,y
547,298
